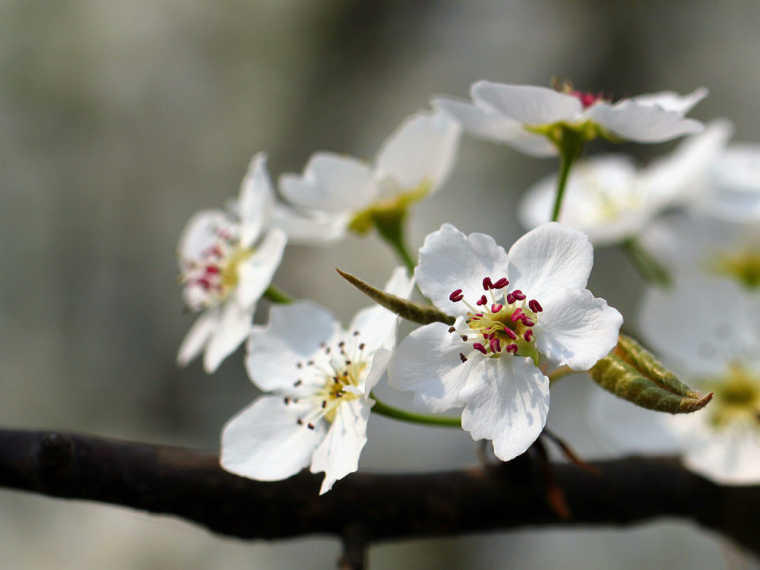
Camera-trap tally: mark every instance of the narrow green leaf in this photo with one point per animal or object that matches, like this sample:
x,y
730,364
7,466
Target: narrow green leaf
x,y
423,314
633,373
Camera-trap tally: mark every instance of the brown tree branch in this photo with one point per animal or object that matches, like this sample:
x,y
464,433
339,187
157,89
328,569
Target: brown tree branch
x,y
367,508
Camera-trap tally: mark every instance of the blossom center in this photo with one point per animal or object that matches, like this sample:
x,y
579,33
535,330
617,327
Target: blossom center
x,y
393,202
737,398
210,277
743,266
499,323
587,99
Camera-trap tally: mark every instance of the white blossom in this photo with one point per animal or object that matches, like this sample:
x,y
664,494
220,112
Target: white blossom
x,y
514,311
516,114
227,260
319,379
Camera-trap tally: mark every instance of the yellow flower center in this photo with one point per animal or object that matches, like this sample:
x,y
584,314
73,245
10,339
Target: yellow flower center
x,y
744,267
737,397
391,207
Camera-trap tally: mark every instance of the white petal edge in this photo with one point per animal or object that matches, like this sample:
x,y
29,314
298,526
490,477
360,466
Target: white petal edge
x,y
233,327
641,123
672,101
200,233
256,199
255,273
527,104
309,228
198,335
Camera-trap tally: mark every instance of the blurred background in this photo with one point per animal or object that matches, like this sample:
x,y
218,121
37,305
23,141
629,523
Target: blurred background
x,y
119,120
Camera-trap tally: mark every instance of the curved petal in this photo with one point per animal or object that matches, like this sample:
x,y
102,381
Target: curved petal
x,y
293,335
330,183
735,190
313,228
509,407
254,205
338,454
377,325
265,442
233,328
549,258
728,457
702,324
428,362
201,233
672,101
198,335
451,260
255,273
577,329
421,150
527,104
641,123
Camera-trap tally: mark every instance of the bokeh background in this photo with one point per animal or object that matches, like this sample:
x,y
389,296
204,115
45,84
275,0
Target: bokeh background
x,y
118,120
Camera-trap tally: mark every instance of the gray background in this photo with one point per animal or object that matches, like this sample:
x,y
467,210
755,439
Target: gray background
x,y
118,120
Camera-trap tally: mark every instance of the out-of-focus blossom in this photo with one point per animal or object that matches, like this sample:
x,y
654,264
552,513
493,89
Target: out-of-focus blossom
x,y
320,377
609,199
513,311
227,260
524,116
734,190
338,192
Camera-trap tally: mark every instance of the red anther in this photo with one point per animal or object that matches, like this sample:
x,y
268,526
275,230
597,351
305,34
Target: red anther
x,y
528,335
495,345
535,306
482,300
517,315
480,347
519,295
501,283
205,283
496,307
456,296
512,348
487,284
510,298
212,269
526,321
510,333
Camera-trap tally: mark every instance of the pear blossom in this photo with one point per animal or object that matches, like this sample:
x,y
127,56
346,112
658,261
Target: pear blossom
x,y
610,199
319,377
227,260
523,115
694,245
713,350
515,313
734,191
338,192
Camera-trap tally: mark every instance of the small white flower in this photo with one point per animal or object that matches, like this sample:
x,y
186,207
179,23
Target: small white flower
x,y
227,260
609,199
693,245
734,192
512,309
337,192
709,331
518,115
321,377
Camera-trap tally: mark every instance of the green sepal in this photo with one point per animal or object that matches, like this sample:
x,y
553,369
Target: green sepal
x,y
633,373
423,314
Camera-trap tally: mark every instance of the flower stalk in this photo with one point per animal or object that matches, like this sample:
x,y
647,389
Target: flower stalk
x,y
645,263
389,411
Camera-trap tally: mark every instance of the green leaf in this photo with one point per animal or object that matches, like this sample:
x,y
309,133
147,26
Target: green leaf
x,y
631,372
423,314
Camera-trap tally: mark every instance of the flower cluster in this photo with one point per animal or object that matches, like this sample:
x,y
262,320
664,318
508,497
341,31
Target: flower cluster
x,y
503,323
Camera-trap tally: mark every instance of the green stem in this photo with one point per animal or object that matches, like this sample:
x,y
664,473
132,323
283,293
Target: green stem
x,y
569,143
398,414
276,296
648,267
391,229
565,164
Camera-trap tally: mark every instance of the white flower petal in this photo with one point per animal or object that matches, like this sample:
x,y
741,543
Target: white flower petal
x,y
312,228
200,233
265,442
727,457
293,335
734,194
641,123
672,101
549,258
198,335
338,454
428,363
254,205
255,273
527,104
577,329
451,260
702,324
330,183
509,407
231,330
377,367
421,150
377,325
485,122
